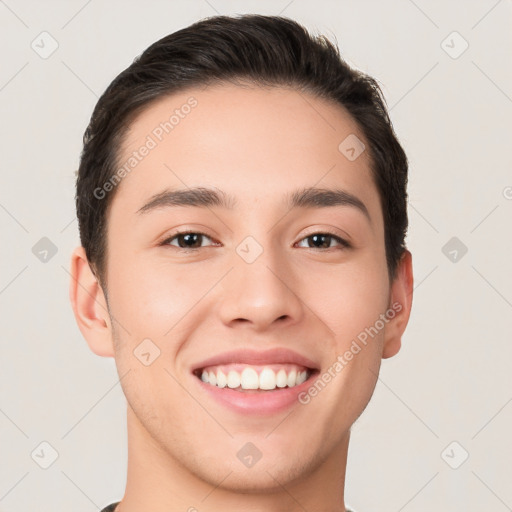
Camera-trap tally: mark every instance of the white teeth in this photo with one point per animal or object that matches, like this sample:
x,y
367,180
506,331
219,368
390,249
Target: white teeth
x,y
249,379
268,379
281,379
222,380
301,377
233,379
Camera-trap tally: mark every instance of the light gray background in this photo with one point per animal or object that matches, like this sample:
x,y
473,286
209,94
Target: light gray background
x,y
452,379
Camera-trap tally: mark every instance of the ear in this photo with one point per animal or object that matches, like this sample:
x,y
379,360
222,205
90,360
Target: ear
x,y
90,306
400,302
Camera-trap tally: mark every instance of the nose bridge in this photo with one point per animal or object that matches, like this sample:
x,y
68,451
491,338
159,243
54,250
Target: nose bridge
x,y
259,290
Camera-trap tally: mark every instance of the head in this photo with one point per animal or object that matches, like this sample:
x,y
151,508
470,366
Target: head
x,y
296,190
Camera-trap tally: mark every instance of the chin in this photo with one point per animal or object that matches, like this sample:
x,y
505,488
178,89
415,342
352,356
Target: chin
x,y
262,478
252,481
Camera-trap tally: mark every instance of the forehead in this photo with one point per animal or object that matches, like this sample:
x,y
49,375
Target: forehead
x,y
253,143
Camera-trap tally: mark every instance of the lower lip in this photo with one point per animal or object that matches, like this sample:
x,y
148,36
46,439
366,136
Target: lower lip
x,y
256,402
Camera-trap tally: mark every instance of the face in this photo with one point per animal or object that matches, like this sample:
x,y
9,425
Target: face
x,y
260,287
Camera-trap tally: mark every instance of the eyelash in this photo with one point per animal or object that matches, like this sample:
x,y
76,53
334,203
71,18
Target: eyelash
x,y
344,244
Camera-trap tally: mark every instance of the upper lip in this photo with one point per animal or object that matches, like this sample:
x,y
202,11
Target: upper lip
x,y
247,356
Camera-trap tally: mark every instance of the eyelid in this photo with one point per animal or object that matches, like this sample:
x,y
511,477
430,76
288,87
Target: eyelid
x,y
331,230
168,238
334,233
342,242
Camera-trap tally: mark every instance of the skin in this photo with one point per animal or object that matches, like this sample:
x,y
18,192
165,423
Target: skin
x,y
258,145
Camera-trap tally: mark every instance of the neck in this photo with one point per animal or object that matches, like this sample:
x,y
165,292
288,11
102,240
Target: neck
x,y
157,481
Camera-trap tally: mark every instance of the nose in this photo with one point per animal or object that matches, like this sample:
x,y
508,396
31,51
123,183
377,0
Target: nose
x,y
259,294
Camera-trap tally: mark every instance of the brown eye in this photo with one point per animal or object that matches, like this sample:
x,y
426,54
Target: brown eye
x,y
324,241
187,240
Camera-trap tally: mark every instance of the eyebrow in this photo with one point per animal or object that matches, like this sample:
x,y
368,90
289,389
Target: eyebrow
x,y
310,197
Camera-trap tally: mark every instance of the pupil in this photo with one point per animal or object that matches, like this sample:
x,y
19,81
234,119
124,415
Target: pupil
x,y
316,237
188,238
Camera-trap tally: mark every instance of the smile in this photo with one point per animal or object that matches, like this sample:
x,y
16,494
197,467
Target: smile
x,y
243,377
252,382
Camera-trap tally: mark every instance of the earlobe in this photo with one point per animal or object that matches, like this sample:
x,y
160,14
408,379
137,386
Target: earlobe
x,y
401,303
89,305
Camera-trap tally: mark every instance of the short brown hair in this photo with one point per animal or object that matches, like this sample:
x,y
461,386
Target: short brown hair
x,y
264,50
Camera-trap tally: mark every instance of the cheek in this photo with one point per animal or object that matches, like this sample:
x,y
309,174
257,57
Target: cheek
x,y
351,303
152,297
348,299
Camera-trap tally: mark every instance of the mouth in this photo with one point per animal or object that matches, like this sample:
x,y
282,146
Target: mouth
x,y
246,378
248,381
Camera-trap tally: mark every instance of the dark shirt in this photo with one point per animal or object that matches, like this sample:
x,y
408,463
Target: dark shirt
x,y
111,508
